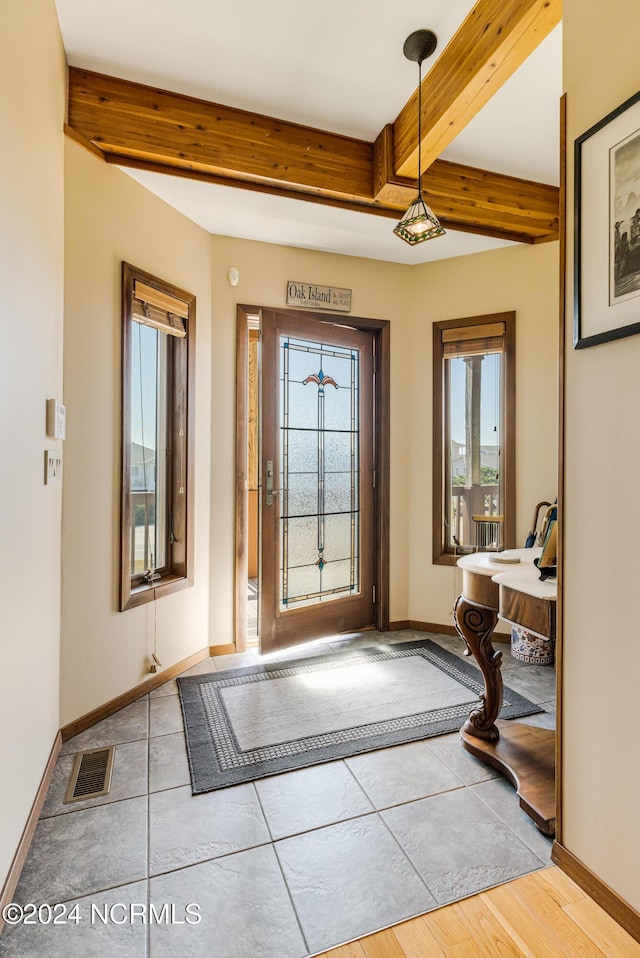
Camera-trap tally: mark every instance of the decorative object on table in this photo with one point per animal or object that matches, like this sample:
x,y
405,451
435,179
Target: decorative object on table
x,y
547,562
532,538
250,723
527,646
607,228
550,514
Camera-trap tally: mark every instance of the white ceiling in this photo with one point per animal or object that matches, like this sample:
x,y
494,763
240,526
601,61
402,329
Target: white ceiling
x,y
344,72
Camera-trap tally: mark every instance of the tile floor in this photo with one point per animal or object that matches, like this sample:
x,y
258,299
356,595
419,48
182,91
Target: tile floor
x,y
283,868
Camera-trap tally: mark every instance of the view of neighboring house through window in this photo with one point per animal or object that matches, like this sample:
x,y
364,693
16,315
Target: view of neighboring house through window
x,y
157,425
474,447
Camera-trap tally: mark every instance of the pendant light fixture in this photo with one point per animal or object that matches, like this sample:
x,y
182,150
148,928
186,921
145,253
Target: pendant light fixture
x,y
419,223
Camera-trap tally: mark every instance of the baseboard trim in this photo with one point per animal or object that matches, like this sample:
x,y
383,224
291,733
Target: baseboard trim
x,y
121,701
13,875
606,897
63,735
222,649
421,626
438,628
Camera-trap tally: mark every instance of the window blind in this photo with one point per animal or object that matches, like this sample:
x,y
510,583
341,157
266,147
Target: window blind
x,y
159,310
473,340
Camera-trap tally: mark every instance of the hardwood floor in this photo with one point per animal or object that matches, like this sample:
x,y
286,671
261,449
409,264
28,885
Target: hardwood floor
x,y
542,915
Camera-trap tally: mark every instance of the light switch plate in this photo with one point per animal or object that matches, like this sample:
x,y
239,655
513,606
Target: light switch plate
x,y
52,467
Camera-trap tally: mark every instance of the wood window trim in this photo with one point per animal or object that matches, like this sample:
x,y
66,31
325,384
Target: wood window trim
x,y
178,574
508,462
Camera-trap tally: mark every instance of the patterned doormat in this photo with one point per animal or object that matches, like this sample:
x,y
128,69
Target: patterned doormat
x,y
250,723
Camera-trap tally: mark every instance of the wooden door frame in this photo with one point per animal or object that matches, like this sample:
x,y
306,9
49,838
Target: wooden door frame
x,y
562,433
381,329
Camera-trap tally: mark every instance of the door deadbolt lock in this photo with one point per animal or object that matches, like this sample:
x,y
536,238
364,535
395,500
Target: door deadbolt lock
x,y
270,491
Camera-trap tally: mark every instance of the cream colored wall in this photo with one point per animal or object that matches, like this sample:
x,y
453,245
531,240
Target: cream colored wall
x,y
520,278
379,292
105,652
601,773
110,218
412,298
32,103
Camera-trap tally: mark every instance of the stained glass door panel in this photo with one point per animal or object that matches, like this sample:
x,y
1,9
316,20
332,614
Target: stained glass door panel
x,y
317,556
319,474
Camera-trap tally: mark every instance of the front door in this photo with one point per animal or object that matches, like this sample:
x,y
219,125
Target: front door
x,y
316,497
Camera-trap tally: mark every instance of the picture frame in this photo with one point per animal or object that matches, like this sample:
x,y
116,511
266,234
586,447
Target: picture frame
x,y
607,228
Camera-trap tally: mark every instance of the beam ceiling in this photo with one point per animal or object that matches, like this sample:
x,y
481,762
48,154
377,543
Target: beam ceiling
x,y
143,127
492,42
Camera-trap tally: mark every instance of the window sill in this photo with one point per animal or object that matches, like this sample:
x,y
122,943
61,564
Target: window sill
x,y
446,559
156,590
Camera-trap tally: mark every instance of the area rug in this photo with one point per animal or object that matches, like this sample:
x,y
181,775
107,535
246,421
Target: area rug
x,y
249,723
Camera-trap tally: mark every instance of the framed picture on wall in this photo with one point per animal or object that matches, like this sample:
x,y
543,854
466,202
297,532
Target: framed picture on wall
x,y
607,228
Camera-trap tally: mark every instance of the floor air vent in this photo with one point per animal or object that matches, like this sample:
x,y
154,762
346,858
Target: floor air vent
x,y
90,775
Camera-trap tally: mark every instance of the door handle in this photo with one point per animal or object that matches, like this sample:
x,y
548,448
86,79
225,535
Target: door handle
x,y
270,491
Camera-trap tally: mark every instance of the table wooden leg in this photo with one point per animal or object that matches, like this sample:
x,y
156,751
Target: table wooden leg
x,y
524,753
475,624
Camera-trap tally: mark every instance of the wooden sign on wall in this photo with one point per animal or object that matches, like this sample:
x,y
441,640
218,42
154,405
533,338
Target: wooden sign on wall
x,y
318,297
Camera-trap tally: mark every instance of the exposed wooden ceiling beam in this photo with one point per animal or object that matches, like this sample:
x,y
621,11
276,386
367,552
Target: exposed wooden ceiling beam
x,y
140,126
139,121
494,40
464,197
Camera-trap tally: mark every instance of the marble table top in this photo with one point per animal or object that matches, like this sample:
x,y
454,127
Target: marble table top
x,y
523,576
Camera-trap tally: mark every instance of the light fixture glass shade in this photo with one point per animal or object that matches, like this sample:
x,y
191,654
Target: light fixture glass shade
x,y
419,223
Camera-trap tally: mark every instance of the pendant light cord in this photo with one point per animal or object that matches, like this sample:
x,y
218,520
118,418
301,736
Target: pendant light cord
x,y
419,127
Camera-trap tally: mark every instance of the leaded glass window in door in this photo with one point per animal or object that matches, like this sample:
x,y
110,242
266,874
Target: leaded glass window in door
x,y
319,472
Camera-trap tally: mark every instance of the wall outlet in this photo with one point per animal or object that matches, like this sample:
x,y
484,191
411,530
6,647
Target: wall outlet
x,y
52,467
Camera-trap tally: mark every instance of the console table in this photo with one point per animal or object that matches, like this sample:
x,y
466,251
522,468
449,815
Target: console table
x,y
493,590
